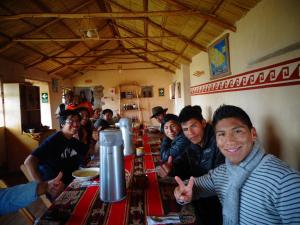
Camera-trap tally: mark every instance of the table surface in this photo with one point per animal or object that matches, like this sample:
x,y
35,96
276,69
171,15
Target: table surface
x,y
80,202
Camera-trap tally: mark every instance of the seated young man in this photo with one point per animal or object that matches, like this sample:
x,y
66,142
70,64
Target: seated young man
x,y
59,152
174,141
105,121
200,156
253,187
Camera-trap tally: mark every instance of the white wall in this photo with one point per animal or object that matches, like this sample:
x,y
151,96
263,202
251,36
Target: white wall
x,y
182,76
112,79
267,35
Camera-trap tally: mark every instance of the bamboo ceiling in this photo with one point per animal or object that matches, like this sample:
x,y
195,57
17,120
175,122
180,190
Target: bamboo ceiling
x,y
70,37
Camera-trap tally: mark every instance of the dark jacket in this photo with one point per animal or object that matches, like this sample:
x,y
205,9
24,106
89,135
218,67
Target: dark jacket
x,y
174,148
197,161
101,123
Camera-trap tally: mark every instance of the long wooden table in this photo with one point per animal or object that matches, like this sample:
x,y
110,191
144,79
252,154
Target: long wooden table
x,y
80,203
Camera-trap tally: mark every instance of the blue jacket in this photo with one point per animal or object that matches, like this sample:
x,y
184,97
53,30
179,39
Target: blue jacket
x,y
174,148
14,198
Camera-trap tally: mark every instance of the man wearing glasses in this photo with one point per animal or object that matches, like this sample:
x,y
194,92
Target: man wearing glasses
x,y
59,152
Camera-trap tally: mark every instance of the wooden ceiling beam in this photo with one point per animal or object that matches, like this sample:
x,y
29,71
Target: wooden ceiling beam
x,y
46,8
161,51
46,57
109,63
142,68
145,52
73,61
7,46
214,9
145,5
82,40
204,15
31,48
104,6
158,56
42,6
74,75
38,52
184,39
157,44
66,49
112,22
154,63
118,15
116,54
93,61
43,26
90,56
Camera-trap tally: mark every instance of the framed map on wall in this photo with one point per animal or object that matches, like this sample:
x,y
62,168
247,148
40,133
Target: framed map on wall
x,y
219,60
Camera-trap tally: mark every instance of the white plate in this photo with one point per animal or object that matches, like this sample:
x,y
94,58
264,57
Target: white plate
x,y
86,173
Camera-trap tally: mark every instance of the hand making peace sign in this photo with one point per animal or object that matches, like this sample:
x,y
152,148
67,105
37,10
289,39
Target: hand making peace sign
x,y
183,193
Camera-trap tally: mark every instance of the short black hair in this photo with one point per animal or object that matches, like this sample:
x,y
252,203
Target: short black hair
x,y
190,112
65,114
169,117
107,111
231,111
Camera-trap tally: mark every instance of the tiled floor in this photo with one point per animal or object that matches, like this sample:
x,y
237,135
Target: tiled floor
x,y
37,208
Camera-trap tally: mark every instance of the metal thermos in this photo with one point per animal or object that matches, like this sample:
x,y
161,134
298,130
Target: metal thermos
x,y
125,125
112,174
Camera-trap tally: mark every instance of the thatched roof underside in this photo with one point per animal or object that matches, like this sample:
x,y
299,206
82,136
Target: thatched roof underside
x,y
70,37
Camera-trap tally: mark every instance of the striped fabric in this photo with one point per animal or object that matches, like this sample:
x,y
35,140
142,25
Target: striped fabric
x,y
271,195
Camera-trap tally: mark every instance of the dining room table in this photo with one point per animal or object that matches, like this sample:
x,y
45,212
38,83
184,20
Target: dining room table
x,y
148,197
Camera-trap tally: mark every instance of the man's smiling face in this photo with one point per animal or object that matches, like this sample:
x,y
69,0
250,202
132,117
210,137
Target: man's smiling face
x,y
234,139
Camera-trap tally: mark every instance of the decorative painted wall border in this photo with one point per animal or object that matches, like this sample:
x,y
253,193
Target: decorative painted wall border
x,y
281,74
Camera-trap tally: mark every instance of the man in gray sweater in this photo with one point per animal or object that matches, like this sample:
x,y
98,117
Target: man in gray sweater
x,y
253,187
